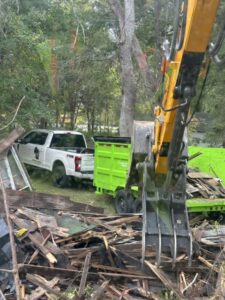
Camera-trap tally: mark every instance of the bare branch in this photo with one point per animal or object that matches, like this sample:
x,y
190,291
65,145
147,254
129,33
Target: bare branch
x,y
16,112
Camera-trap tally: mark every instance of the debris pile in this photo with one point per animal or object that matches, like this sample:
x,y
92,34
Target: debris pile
x,y
52,248
66,254
204,185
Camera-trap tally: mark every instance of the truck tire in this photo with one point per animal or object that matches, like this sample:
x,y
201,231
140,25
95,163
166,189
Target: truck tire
x,y
137,206
123,202
59,176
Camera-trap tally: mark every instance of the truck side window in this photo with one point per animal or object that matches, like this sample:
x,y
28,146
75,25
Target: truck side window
x,y
61,140
37,138
29,137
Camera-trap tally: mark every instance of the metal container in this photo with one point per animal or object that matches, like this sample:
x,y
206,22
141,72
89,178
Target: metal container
x,y
112,161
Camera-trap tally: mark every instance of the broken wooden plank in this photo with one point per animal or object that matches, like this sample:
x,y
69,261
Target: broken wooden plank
x,y
29,225
50,257
208,264
165,280
50,246
44,221
84,275
96,266
70,273
108,251
38,237
197,175
40,281
125,220
131,260
132,249
39,291
37,251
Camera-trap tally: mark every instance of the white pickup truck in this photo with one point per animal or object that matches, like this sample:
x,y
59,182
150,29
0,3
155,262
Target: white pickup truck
x,y
64,153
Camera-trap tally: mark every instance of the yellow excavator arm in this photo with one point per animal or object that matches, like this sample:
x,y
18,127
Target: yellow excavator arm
x,y
181,76
159,149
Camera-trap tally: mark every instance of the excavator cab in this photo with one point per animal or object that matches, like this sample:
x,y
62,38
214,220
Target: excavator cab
x,y
159,148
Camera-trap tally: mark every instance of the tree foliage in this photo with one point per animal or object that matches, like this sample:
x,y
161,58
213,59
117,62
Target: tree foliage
x,y
63,56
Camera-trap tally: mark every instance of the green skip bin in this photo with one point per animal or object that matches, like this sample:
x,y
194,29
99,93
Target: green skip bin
x,y
112,161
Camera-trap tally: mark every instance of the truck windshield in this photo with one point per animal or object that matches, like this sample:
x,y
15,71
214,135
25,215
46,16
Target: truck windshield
x,y
68,141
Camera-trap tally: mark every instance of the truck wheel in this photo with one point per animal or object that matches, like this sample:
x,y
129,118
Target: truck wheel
x,y
137,206
59,177
123,202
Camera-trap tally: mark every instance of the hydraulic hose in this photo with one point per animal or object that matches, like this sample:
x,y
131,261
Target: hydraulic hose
x,y
215,47
178,28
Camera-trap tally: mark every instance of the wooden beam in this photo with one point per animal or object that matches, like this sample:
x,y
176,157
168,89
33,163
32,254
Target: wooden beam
x,y
83,280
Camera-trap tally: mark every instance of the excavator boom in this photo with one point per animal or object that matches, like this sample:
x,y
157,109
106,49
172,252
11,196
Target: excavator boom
x,y
182,72
159,149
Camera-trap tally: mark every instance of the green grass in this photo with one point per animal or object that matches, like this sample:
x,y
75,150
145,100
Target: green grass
x,y
41,182
212,161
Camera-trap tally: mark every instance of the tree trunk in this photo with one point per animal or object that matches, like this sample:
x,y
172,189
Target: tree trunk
x,y
128,91
72,119
43,123
72,105
63,118
88,120
129,42
126,23
93,121
76,113
57,116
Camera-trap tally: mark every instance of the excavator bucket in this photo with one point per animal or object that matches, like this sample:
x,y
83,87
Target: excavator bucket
x,y
165,218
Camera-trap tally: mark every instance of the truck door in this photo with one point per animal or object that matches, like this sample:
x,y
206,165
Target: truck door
x,y
31,149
